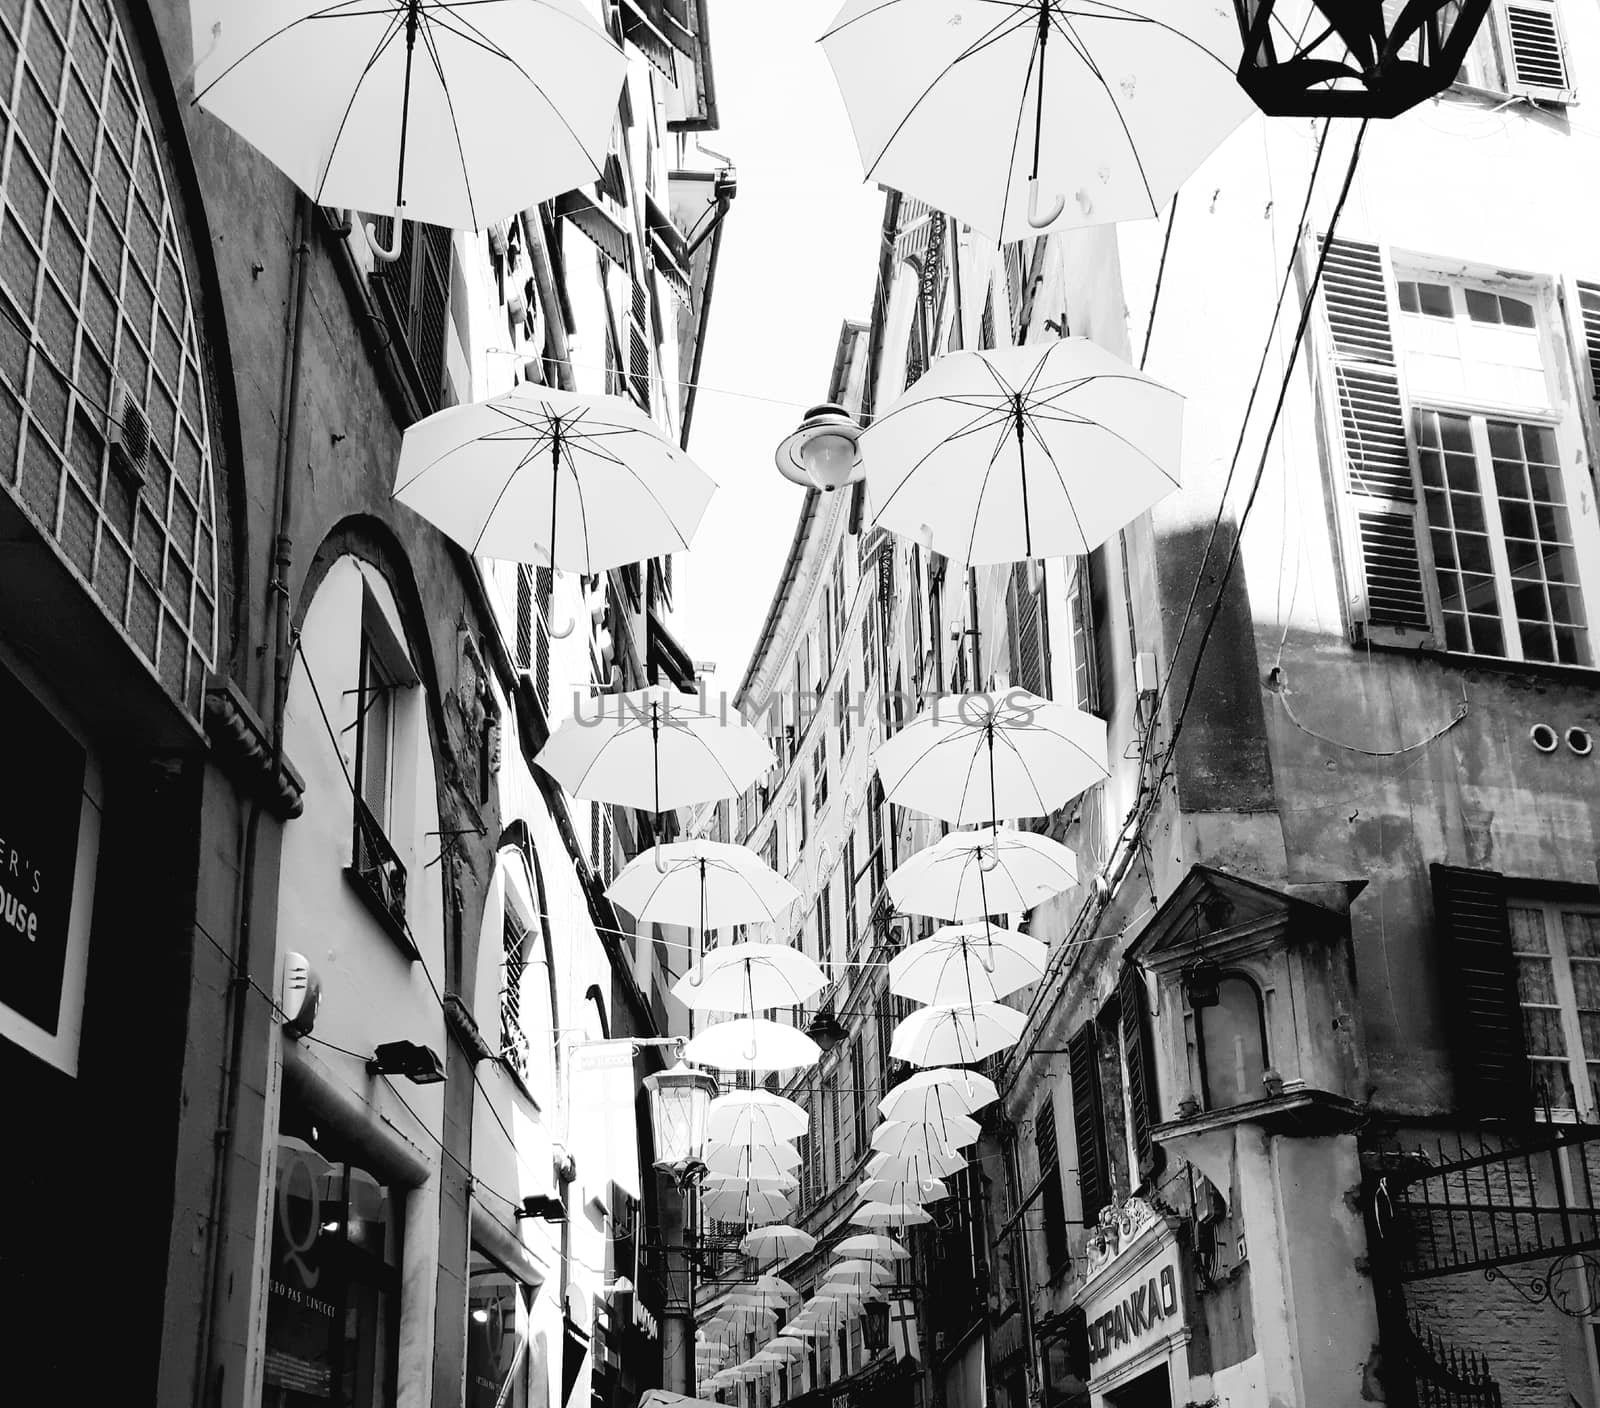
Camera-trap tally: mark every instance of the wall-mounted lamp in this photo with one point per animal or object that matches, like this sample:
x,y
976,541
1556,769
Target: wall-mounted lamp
x,y
826,1030
823,453
544,1207
418,1064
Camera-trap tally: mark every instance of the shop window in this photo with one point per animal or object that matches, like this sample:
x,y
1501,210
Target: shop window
x,y
500,1366
334,1297
1231,1035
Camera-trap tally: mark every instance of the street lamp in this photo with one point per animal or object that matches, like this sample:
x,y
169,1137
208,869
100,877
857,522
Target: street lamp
x,y
680,1100
1352,58
823,453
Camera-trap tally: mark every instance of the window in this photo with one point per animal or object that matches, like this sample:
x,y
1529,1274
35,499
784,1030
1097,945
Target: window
x,y
876,859
414,292
1521,49
794,828
1138,1066
869,625
1088,1123
513,1041
824,928
839,611
1051,1202
769,849
1030,664
498,1325
837,1125
374,859
1085,668
841,705
1557,948
1456,427
1231,1034
639,342
819,775
852,926
858,1093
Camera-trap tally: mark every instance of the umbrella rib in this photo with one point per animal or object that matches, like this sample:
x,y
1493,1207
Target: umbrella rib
x,y
331,12
1122,121
1122,439
1115,14
450,106
355,92
922,460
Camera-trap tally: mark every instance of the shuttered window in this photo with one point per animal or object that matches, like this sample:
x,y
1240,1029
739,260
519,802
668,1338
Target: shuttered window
x,y
639,347
852,923
414,292
885,1020
1139,1067
1557,949
1534,50
1085,662
1051,1203
1088,1124
1480,991
1030,666
1589,310
858,1094
533,630
837,1130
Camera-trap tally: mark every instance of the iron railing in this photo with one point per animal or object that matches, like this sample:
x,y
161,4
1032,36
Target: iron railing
x,y
377,864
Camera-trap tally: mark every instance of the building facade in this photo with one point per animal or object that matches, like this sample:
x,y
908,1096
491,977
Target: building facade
x,y
298,925
1302,1110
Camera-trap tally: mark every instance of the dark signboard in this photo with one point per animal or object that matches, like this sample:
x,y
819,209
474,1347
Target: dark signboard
x,y
40,806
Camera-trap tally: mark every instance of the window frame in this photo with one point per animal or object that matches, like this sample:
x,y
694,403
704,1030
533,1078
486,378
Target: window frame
x,y
1585,1083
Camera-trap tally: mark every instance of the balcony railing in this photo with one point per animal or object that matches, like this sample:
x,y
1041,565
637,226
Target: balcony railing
x,y
378,876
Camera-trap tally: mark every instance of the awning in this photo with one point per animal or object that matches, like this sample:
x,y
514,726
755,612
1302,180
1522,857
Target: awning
x,y
598,224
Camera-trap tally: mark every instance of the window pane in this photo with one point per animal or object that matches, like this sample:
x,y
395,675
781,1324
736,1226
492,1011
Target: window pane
x,y
1552,1085
1543,1028
1536,982
1527,929
1482,307
1582,930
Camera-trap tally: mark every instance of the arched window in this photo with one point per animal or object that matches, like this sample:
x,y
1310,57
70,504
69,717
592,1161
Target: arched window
x,y
1233,1044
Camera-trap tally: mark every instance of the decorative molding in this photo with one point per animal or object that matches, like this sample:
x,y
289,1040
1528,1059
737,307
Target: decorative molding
x,y
242,748
1118,1227
461,1022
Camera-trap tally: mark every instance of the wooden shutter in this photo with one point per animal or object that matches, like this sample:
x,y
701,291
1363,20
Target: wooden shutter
x,y
1589,308
1534,50
639,347
524,617
1027,636
1388,599
1048,1151
838,1132
1138,1062
543,585
1088,1126
1085,664
1480,990
416,294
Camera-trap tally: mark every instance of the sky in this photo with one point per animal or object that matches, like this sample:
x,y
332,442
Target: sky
x,y
798,257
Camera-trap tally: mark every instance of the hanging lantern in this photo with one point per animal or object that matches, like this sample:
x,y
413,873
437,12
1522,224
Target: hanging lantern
x,y
822,453
875,1326
680,1100
1352,58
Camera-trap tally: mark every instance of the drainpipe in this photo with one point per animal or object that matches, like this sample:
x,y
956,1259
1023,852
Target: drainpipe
x,y
222,1180
544,280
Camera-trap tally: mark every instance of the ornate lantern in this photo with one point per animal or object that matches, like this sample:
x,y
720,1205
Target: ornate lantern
x,y
1352,58
875,1326
680,1100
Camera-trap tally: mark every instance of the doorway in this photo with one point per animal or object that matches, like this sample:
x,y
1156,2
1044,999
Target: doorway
x,y
1151,1390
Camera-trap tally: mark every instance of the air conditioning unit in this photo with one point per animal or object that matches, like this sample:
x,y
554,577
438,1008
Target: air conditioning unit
x,y
128,436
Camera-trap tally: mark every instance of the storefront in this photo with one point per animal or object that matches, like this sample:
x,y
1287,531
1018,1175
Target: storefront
x,y
1138,1310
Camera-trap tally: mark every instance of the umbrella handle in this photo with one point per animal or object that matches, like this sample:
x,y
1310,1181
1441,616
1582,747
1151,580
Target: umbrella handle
x,y
1035,218
392,253
211,48
661,865
560,631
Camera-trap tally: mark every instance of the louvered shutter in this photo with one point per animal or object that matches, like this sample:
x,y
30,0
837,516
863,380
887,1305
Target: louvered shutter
x,y
524,617
1138,1062
1085,665
1389,602
1048,1151
543,582
639,347
1480,989
1027,638
1589,308
1088,1126
1534,50
838,1133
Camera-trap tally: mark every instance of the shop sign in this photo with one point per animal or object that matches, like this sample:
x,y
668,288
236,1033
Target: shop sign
x,y
1141,1308
40,807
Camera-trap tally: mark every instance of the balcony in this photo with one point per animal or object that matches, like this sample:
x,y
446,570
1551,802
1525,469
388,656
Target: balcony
x,y
378,876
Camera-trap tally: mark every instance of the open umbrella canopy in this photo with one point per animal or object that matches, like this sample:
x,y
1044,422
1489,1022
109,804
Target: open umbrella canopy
x,y
776,1243
467,111
750,1159
654,749
661,1398
755,1117
940,1091
977,962
749,977
982,757
876,1214
941,1036
752,1044
872,1246
926,1163
899,1190
702,885
988,870
519,476
905,1137
744,1205
789,1346
736,1182
1024,115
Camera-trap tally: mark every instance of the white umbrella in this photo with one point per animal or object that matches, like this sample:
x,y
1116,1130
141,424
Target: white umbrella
x,y
940,1091
744,1205
654,749
459,112
661,1398
756,1159
752,1044
735,1182
1023,115
875,1214
702,885
922,1163
873,1246
749,977
776,1243
788,1346
862,1270
988,870
978,962
901,1190
943,1036
755,1117
981,757
905,1137
522,476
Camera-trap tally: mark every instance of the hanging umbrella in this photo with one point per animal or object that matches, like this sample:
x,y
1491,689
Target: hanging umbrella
x,y
749,977
900,1190
940,1036
744,1205
755,1117
457,112
654,749
877,1214
770,1285
925,1163
967,963
788,1346
901,1137
756,1159
1024,115
703,885
776,1243
766,1183
981,757
940,1091
988,870
872,1246
661,1398
752,1044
